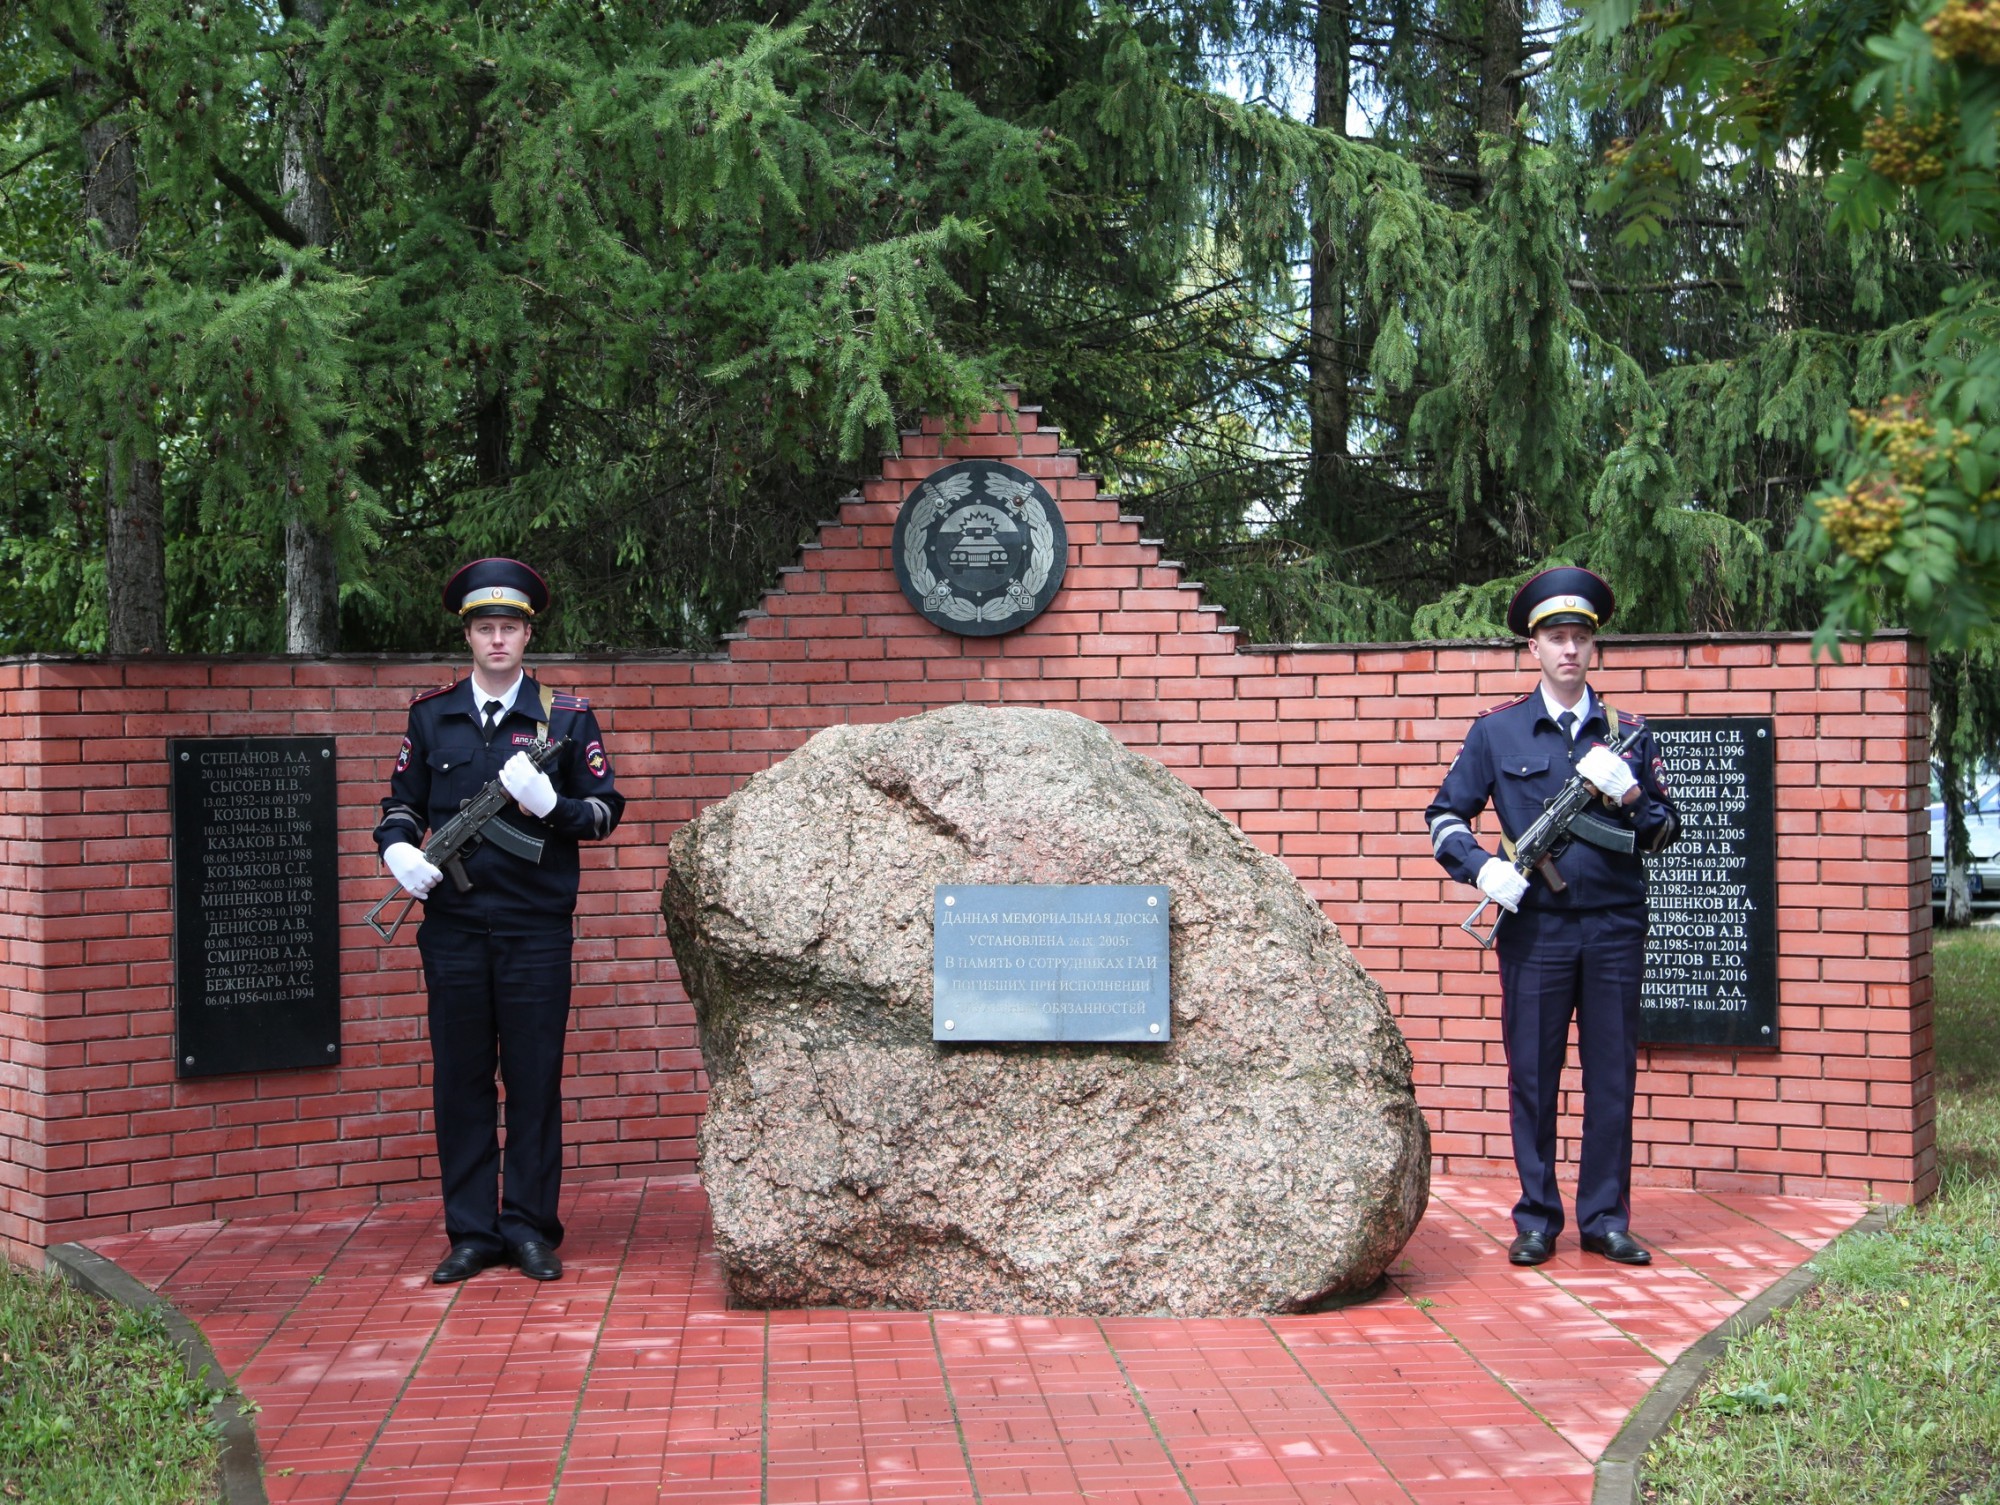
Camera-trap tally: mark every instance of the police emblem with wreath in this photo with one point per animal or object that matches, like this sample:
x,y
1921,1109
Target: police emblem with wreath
x,y
980,548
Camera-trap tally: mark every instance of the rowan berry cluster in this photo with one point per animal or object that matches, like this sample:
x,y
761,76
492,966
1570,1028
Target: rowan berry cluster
x,y
1863,520
1968,30
1898,431
1904,149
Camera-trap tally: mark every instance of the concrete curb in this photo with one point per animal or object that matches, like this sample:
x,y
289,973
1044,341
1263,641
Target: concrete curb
x,y
1617,1480
242,1473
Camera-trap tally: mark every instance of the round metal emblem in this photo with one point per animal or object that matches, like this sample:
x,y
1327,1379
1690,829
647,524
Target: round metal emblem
x,y
980,548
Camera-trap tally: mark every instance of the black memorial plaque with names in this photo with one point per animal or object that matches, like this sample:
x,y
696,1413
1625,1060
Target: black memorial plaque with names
x,y
256,904
1712,897
1067,962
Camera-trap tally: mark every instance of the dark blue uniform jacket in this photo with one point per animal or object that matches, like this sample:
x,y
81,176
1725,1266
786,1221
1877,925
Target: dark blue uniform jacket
x,y
1517,758
446,758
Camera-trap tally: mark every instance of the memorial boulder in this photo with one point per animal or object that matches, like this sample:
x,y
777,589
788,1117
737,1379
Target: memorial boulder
x,y
1268,1156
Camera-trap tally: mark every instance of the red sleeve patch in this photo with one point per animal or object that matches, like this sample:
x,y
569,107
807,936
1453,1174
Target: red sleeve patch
x,y
595,761
1660,774
403,757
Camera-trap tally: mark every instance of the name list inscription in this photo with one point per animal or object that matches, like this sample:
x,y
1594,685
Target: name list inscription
x,y
256,895
1712,940
1078,962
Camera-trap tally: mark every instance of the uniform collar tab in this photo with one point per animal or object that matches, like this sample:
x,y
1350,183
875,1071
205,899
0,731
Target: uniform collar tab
x,y
1586,709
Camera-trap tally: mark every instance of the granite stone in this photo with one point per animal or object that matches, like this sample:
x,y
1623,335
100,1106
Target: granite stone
x,y
1271,1157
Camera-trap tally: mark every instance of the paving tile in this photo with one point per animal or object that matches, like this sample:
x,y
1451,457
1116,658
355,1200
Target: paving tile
x,y
632,1382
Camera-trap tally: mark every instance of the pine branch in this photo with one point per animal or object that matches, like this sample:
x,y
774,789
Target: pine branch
x,y
1688,285
121,72
116,103
33,156
116,68
48,88
268,213
1410,28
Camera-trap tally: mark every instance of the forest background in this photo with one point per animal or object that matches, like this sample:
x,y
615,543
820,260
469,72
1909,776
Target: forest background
x,y
1372,309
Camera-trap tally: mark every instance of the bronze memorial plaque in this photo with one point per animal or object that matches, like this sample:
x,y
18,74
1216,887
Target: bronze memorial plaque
x,y
1070,962
980,548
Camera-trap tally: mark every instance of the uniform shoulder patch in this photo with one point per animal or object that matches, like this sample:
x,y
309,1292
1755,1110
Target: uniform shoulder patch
x,y
562,702
423,695
1505,705
1627,722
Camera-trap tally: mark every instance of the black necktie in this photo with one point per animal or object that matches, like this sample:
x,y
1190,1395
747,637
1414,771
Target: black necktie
x,y
1567,721
492,716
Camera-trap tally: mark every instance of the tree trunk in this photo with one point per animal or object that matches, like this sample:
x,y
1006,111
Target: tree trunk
x,y
135,553
1947,681
312,571
1327,501
491,443
1499,64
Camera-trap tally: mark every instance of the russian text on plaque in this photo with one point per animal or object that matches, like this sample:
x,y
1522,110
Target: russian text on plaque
x,y
256,904
1050,962
1712,897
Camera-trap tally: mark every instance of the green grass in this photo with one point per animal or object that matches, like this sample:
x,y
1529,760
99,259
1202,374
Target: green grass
x,y
1882,1385
95,1407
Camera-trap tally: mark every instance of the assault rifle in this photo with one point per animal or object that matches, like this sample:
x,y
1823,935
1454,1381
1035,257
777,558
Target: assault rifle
x,y
449,847
1563,817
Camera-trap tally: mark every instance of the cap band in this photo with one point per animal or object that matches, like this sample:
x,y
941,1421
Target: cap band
x,y
496,595
1575,605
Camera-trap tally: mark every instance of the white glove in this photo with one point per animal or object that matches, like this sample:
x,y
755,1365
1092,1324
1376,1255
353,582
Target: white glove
x,y
416,875
1501,883
1609,772
528,784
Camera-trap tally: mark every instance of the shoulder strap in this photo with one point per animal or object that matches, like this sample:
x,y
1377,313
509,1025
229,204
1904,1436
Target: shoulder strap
x,y
548,707
1610,720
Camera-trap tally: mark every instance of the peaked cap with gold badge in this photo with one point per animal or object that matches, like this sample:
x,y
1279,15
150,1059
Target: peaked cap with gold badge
x,y
496,588
1568,593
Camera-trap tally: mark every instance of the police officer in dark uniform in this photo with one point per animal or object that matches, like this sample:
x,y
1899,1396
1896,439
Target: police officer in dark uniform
x,y
497,956
1578,952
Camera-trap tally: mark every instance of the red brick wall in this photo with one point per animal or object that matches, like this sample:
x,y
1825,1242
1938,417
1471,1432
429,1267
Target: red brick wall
x,y
1324,755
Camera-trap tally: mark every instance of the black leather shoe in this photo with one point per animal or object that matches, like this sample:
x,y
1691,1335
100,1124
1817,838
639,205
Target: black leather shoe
x,y
1530,1249
464,1262
1617,1245
536,1260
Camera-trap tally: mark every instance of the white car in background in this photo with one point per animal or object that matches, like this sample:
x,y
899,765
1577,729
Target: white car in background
x,y
1982,828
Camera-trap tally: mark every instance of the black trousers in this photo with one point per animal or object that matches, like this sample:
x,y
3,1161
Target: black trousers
x,y
498,1000
1555,965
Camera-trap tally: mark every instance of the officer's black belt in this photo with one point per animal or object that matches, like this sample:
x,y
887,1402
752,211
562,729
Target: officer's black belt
x,y
529,848
1599,833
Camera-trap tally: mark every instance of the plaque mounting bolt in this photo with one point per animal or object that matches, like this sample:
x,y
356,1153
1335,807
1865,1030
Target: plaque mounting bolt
x,y
1153,1029
1152,901
1763,731
326,752
948,902
332,1049
1766,1028
184,757
188,1060
950,1024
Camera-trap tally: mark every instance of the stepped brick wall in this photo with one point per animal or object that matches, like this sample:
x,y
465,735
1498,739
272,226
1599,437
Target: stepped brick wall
x,y
1326,756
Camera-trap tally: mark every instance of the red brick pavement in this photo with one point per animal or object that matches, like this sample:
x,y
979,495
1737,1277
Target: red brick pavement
x,y
632,1381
